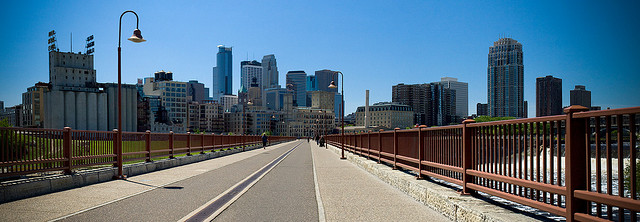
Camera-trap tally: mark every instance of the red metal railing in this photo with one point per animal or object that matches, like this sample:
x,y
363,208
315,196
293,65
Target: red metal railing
x,y
581,165
25,150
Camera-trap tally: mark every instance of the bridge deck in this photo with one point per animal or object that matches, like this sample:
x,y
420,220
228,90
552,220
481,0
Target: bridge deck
x,y
286,188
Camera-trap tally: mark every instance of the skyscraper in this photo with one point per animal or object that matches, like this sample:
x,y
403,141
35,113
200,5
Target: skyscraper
x,y
414,95
248,71
196,91
324,78
505,74
298,82
482,109
223,73
462,95
548,96
580,96
269,72
432,103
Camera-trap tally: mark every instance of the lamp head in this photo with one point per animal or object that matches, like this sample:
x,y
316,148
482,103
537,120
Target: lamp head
x,y
333,85
136,37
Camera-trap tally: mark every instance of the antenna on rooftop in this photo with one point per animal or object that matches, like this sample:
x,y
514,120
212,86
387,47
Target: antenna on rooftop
x,y
71,43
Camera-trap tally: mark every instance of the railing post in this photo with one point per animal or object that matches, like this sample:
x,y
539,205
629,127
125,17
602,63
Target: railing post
x,y
117,145
369,145
147,145
115,148
213,142
202,143
171,145
188,143
242,140
380,145
66,145
395,147
420,151
576,161
467,156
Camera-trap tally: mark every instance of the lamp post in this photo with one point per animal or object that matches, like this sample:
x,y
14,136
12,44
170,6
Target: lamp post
x,y
137,38
244,117
333,86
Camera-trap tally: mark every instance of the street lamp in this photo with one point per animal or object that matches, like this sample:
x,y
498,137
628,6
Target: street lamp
x,y
334,86
137,38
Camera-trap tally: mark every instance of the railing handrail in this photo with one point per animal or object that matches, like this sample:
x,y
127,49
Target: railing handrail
x,y
505,159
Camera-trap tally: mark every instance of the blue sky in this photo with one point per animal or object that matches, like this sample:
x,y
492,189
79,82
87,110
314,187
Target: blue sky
x,y
376,44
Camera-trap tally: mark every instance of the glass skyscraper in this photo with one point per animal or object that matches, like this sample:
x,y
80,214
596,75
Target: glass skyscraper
x,y
248,71
298,81
223,73
505,74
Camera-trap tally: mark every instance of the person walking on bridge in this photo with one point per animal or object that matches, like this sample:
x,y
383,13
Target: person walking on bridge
x,y
264,141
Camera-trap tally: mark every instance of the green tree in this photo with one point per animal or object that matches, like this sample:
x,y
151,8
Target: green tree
x,y
481,119
5,123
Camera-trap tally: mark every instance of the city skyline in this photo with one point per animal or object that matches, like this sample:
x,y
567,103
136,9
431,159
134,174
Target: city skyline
x,y
374,45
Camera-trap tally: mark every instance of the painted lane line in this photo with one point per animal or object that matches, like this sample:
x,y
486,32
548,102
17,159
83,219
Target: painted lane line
x,y
215,206
134,194
321,216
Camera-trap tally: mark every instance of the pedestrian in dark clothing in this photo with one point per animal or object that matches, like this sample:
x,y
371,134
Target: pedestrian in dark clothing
x,y
322,141
317,140
264,141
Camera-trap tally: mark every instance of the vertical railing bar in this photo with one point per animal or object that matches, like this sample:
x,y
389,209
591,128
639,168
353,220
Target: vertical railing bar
x,y
588,161
486,155
171,140
537,153
632,161
608,164
544,159
598,164
380,145
500,154
395,147
526,139
551,161
620,164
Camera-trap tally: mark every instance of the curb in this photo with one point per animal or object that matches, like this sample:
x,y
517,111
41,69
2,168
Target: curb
x,y
30,187
439,198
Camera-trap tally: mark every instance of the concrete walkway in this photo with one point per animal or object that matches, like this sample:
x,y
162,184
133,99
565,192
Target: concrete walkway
x,y
349,193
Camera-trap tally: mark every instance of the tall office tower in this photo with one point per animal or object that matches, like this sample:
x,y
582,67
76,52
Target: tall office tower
x,y
548,96
311,86
297,80
311,83
248,71
432,103
580,96
441,105
324,78
482,109
196,91
505,74
33,105
223,73
414,95
173,97
269,73
1,106
462,95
